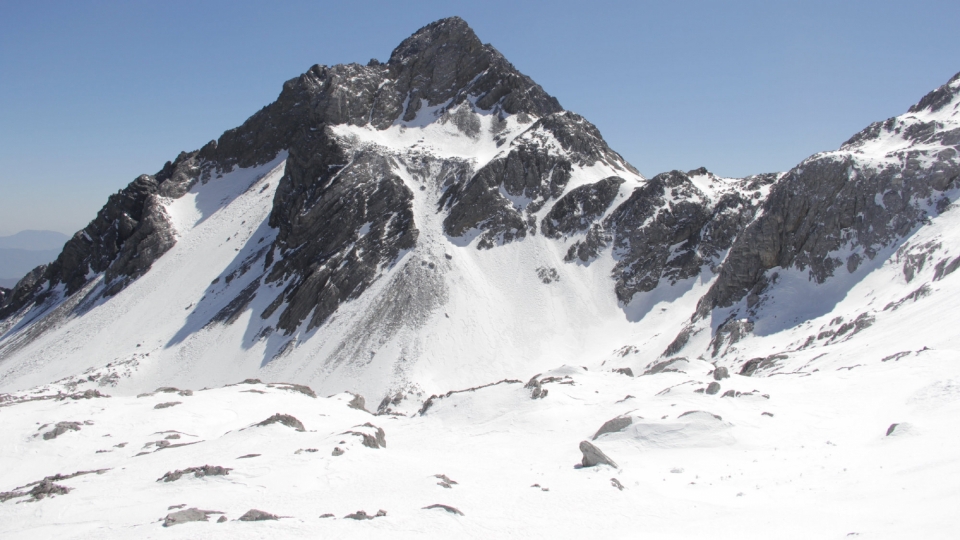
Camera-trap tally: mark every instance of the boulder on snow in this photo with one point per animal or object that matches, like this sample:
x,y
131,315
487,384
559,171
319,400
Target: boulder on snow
x,y
713,388
284,419
199,472
188,515
60,429
167,404
377,440
258,515
898,429
613,425
357,403
361,515
593,456
720,373
450,509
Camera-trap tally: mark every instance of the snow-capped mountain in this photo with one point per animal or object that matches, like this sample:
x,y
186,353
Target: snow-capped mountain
x,y
430,233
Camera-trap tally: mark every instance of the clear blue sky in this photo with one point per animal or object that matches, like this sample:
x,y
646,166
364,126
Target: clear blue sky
x,y
95,93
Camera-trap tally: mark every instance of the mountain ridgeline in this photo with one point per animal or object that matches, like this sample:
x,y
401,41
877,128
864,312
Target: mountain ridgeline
x,y
391,170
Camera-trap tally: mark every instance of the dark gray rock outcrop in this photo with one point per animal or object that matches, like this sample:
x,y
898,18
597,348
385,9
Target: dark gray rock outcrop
x,y
258,515
450,509
614,425
501,198
593,456
580,207
283,419
846,199
669,229
186,516
198,472
60,429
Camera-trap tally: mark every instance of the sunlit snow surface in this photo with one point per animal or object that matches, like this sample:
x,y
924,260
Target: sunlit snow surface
x,y
818,464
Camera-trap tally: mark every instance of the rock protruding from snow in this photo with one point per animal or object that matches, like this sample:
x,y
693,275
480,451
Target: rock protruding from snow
x,y
258,515
357,403
60,429
613,425
374,440
361,515
283,419
450,509
188,515
593,456
198,472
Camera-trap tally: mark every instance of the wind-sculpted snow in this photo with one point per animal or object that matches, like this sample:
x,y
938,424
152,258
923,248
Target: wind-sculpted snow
x,y
855,444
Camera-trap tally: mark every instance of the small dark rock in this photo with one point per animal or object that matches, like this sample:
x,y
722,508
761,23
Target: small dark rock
x,y
891,429
450,509
624,371
222,519
199,472
167,404
258,515
616,483
713,388
186,516
337,451
60,429
720,373
361,515
284,419
717,416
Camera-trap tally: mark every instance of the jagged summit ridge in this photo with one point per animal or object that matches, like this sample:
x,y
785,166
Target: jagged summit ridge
x,y
437,220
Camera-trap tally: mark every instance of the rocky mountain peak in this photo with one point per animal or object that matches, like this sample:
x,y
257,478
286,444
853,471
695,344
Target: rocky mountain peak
x,y
446,61
939,98
445,37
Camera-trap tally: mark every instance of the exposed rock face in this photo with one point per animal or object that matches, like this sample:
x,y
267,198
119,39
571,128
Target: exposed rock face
x,y
343,213
861,196
129,233
501,198
579,208
340,218
669,229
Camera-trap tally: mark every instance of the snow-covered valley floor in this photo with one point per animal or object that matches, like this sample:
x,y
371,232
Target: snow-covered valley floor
x,y
793,456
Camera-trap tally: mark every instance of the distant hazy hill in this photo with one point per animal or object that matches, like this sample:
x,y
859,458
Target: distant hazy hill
x,y
21,252
34,240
